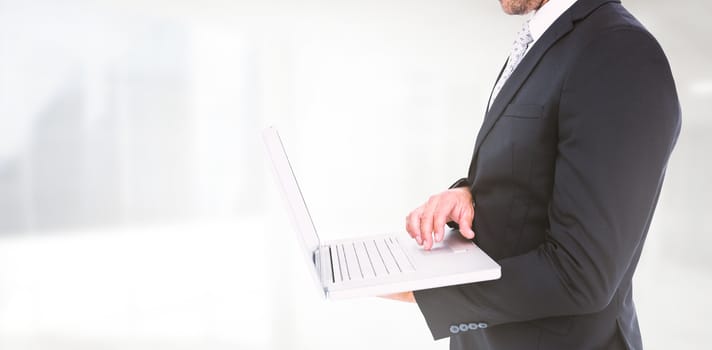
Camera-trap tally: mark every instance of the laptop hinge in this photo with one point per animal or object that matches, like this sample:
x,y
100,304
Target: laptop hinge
x,y
317,260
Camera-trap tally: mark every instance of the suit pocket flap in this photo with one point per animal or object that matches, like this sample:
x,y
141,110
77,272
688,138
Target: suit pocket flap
x,y
524,111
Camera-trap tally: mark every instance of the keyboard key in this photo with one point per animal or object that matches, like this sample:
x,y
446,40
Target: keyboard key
x,y
352,263
401,259
375,258
366,266
387,256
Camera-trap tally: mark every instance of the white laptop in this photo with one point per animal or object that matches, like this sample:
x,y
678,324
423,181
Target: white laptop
x,y
376,265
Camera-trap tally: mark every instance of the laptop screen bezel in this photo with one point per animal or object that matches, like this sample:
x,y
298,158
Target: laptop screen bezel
x,y
292,194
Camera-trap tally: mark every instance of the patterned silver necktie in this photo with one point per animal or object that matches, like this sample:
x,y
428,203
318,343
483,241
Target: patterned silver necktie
x,y
519,48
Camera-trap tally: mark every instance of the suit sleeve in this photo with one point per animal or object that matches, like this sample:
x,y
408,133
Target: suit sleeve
x,y
619,119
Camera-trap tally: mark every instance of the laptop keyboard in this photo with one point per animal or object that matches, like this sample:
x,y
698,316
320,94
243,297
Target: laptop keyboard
x,y
366,259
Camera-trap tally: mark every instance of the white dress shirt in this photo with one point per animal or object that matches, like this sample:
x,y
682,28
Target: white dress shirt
x,y
540,21
545,16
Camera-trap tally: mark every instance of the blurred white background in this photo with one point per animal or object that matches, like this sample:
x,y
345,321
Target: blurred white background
x,y
137,210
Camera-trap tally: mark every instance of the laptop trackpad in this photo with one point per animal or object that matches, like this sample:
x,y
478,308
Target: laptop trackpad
x,y
438,248
449,247
454,242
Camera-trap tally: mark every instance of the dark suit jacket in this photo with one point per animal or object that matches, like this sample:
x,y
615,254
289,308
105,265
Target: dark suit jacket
x,y
565,177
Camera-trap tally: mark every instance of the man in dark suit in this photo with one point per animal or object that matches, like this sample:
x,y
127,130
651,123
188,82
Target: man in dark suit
x,y
563,183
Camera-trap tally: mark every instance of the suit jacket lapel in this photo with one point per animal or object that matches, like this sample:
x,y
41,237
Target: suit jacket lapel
x,y
489,100
521,73
558,29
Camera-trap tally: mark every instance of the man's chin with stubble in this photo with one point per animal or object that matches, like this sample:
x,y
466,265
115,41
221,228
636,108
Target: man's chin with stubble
x,y
521,7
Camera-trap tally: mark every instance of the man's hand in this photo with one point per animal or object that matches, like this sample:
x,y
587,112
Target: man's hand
x,y
407,297
426,223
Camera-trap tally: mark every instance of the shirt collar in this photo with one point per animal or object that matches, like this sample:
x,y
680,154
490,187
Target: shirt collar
x,y
543,18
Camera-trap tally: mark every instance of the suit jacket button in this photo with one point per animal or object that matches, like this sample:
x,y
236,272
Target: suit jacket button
x,y
464,327
472,326
482,325
454,329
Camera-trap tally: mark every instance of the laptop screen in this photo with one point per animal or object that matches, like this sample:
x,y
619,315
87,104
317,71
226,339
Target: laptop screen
x,y
293,196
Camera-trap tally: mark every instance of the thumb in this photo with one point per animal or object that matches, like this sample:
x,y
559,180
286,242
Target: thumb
x,y
465,224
